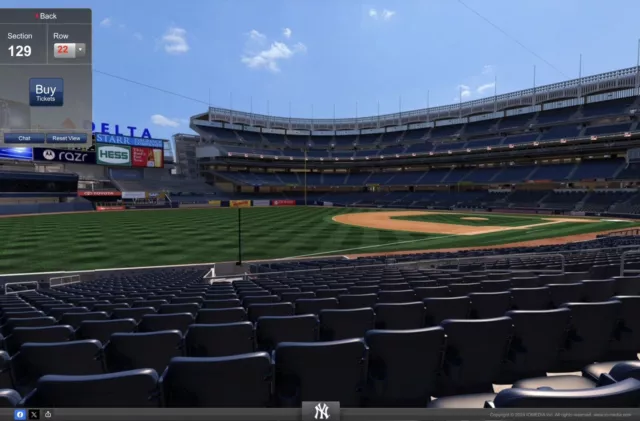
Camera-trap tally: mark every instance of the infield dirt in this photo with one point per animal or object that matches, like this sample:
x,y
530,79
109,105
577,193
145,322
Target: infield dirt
x,y
386,221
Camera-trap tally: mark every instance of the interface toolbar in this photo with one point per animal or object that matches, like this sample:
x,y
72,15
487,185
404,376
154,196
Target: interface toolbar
x,y
313,411
45,75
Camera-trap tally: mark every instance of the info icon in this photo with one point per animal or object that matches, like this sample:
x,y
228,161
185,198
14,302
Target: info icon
x,y
33,414
20,414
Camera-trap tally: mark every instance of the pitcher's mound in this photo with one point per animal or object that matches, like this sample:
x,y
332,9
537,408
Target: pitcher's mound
x,y
474,218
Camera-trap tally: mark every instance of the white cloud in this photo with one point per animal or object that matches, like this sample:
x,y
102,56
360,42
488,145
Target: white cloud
x,y
478,85
287,32
385,14
174,41
162,121
106,23
138,36
465,91
488,69
257,36
485,87
388,14
269,58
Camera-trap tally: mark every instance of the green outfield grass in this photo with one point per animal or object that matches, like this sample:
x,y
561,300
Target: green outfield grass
x,y
493,220
149,238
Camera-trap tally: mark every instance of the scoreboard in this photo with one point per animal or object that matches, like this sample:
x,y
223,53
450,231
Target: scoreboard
x,y
45,76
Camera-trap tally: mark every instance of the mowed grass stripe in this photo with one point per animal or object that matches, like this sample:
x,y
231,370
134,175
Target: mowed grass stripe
x,y
149,238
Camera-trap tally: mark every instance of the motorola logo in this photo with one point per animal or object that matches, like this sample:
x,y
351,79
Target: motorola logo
x,y
49,155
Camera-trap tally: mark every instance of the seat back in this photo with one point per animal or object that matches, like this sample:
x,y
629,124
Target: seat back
x,y
132,313
592,327
400,315
486,305
131,351
191,308
626,337
566,293
75,319
108,308
458,290
128,389
240,381
531,298
258,310
230,303
315,305
403,366
538,337
598,290
30,322
402,296
322,371
476,350
341,324
291,297
221,315
219,340
432,292
102,330
439,309
350,301
159,322
46,334
272,330
35,360
260,299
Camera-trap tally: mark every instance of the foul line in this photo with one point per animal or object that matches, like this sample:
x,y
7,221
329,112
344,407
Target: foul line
x,y
366,247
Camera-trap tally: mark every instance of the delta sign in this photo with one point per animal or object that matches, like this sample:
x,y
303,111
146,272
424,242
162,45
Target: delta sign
x,y
119,130
110,128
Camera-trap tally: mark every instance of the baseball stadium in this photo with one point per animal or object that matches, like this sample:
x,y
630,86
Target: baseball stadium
x,y
483,254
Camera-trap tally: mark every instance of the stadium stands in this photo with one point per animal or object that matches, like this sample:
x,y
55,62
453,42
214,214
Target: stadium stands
x,y
369,326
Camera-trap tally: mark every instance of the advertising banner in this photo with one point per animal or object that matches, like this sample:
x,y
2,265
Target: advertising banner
x,y
17,154
283,203
261,203
129,141
134,195
147,157
110,208
327,204
63,155
215,203
87,193
240,203
113,155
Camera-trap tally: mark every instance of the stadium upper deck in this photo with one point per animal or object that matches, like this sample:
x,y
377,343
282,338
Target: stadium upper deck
x,y
587,108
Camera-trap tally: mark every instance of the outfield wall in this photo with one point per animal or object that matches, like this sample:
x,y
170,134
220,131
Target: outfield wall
x,y
35,208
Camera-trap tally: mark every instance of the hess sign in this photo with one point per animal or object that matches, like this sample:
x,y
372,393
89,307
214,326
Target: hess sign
x,y
62,155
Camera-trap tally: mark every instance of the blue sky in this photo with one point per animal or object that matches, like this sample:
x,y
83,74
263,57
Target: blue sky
x,y
325,52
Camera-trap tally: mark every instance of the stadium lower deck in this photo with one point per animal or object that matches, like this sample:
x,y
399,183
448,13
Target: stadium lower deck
x,y
488,328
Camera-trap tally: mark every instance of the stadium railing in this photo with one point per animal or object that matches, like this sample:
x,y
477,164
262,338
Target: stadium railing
x,y
64,280
623,262
11,285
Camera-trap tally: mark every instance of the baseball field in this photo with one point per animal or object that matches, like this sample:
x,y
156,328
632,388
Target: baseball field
x,y
97,240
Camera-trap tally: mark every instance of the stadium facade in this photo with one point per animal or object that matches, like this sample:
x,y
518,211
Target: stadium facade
x,y
580,135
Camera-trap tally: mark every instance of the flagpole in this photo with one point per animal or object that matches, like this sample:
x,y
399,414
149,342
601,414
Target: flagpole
x,y
533,101
428,94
